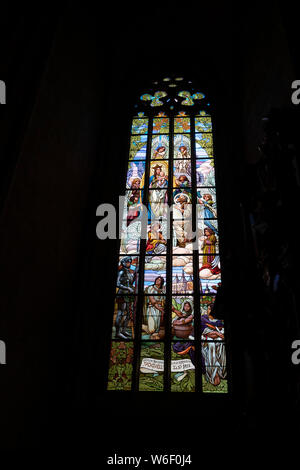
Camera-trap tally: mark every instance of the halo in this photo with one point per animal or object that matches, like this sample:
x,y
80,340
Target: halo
x,y
161,164
180,194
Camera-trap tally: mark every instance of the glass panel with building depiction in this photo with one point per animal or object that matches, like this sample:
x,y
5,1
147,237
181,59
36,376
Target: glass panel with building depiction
x,y
203,124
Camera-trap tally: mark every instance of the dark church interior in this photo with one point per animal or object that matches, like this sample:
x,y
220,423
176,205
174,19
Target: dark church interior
x,y
73,73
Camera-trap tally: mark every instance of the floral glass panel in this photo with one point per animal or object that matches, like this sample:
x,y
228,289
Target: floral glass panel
x,y
138,147
120,366
151,376
204,145
160,125
182,124
139,126
182,274
203,124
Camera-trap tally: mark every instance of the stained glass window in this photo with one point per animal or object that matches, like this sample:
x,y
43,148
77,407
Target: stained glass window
x,y
165,335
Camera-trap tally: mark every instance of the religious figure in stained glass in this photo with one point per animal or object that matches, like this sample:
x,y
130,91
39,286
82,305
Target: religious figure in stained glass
x,y
165,336
159,153
154,309
156,243
157,203
182,317
213,348
159,175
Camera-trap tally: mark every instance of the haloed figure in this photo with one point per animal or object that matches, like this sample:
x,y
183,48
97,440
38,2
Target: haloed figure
x,y
209,250
159,153
183,152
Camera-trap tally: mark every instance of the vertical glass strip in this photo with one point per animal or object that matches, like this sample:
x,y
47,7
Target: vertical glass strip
x,y
151,367
182,146
125,313
183,366
160,125
120,366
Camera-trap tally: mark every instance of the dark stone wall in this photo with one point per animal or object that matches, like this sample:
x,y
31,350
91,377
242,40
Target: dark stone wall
x,y
267,71
43,225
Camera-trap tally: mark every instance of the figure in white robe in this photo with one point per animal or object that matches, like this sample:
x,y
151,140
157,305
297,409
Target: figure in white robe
x,y
154,308
213,348
182,214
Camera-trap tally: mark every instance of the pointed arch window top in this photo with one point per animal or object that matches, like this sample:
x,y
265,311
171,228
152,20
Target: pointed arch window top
x,y
167,93
155,100
189,99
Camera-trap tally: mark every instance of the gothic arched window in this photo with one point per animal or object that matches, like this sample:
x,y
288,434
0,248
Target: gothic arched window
x,y
165,336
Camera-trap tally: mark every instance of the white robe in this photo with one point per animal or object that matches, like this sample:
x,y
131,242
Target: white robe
x,y
153,315
214,356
